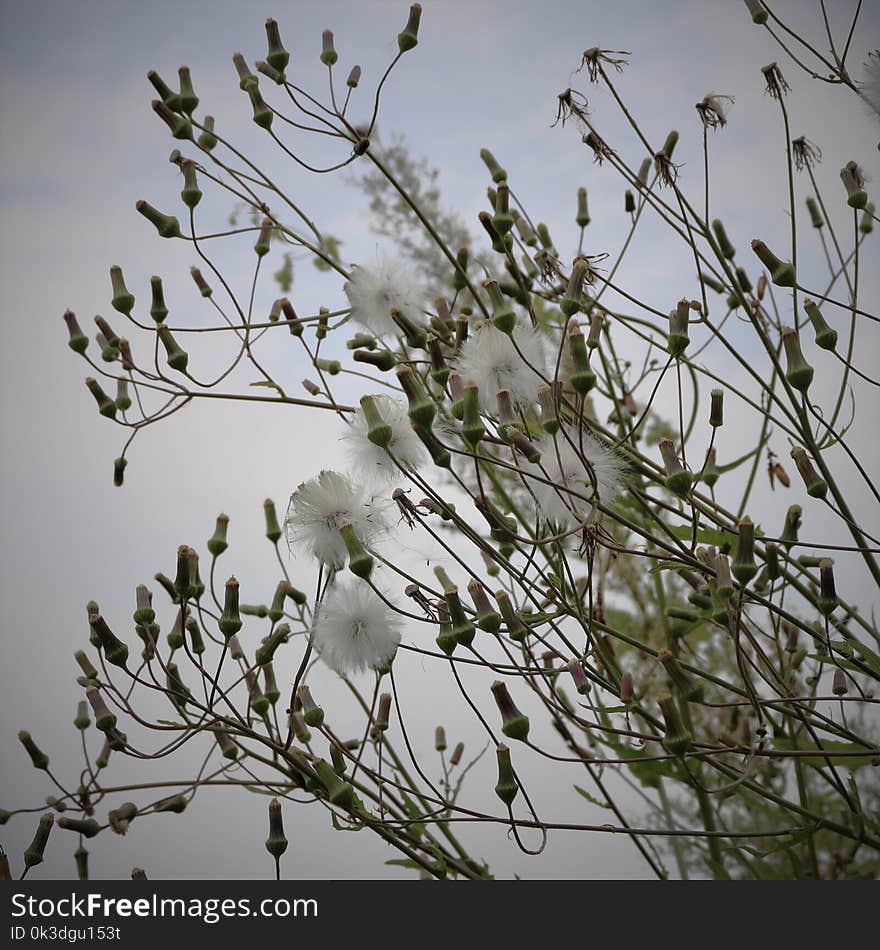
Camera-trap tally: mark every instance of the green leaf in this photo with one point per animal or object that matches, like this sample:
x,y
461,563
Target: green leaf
x,y
268,384
704,535
590,798
856,760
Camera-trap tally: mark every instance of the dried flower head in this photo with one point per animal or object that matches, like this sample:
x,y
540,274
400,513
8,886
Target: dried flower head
x,y
319,508
570,103
374,292
593,59
355,630
404,445
601,151
776,84
583,472
493,361
713,110
806,153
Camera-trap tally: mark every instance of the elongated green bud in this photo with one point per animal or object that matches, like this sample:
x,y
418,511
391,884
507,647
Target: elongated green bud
x,y
866,225
583,212
276,843
87,827
166,224
267,649
503,317
277,56
724,245
77,341
579,677
816,486
670,143
179,125
678,478
853,181
183,582
781,273
488,618
105,720
514,724
33,855
122,300
175,805
503,219
263,115
178,692
409,38
207,140
582,378
629,202
758,11
440,739
549,416
815,215
166,94
38,757
744,567
688,688
85,665
678,739
771,556
421,408
572,299
106,406
115,651
516,629
472,429
379,432
258,701
360,562
799,373
439,454
338,792
497,172
678,339
827,599
188,99
383,360
826,337
300,730
506,787
191,194
82,720
178,358
716,408
217,543
313,714
230,619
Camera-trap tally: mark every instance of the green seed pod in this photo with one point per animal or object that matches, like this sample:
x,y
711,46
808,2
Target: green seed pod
x,y
816,486
188,99
246,79
781,273
549,416
771,556
678,739
338,792
744,567
678,478
264,238
106,406
440,739
379,432
277,56
38,757
207,140
516,629
789,535
579,677
166,94
312,713
758,12
383,360
178,358
722,576
300,730
409,38
175,634
166,224
514,724
217,544
629,202
866,225
497,172
82,720
503,219
690,690
445,639
230,619
572,299
716,409
582,378
329,56
123,400
853,181
827,600
81,857
678,340
360,562
87,827
195,636
34,853
77,341
85,665
180,126
503,316
507,786
183,586
267,649
670,143
488,618
826,337
158,310
815,215
115,651
178,692
727,249
122,300
799,373
258,701
276,843
421,408
439,455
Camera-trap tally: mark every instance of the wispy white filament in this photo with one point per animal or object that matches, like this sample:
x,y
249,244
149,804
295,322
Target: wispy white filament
x,y
374,292
489,359
355,630
319,507
373,461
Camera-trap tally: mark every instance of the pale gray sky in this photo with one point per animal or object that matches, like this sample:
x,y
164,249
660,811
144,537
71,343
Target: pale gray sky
x,y
80,145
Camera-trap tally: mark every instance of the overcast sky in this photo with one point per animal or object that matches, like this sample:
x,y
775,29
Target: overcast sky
x,y
80,145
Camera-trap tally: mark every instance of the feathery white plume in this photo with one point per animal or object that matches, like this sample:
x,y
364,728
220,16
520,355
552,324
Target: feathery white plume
x,y
319,507
569,499
355,630
373,460
489,359
374,292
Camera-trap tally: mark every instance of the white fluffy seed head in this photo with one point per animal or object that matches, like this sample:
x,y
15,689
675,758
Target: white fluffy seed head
x,y
373,461
374,292
569,499
355,630
489,359
320,506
